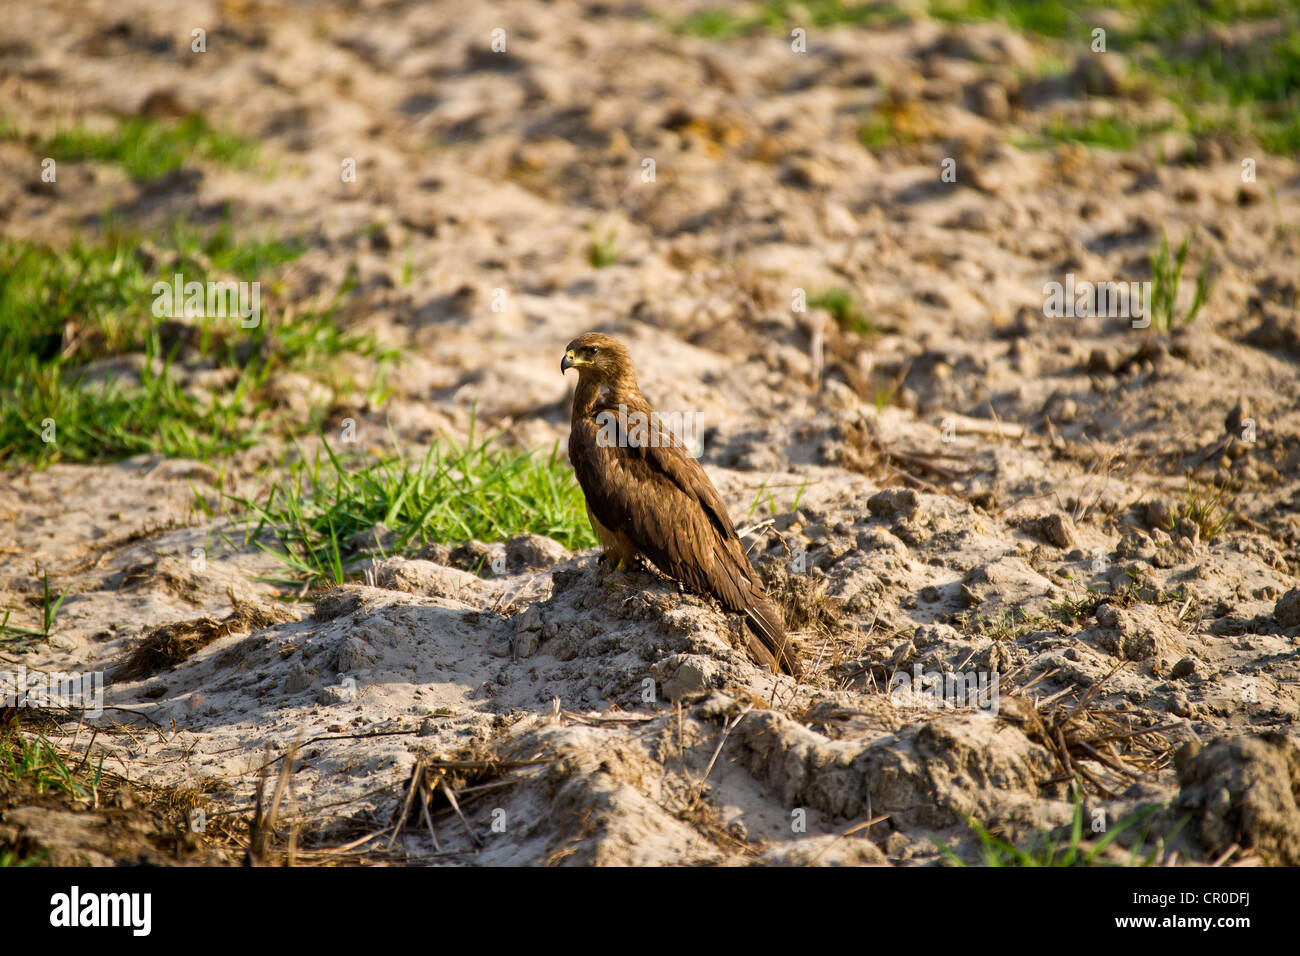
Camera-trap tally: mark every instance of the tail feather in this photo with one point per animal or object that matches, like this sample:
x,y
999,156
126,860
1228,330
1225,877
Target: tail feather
x,y
767,639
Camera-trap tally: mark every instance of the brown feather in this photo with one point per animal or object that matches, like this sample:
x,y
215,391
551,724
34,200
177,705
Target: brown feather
x,y
655,498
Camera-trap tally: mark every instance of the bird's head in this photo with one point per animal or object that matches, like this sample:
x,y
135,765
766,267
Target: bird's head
x,y
597,358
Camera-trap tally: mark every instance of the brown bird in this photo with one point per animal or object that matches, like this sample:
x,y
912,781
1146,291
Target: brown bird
x,y
647,498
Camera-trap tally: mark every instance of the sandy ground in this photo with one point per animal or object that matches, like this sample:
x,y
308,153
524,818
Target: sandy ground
x,y
1005,513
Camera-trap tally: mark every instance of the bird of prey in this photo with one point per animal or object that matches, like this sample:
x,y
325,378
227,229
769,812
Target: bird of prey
x,y
647,498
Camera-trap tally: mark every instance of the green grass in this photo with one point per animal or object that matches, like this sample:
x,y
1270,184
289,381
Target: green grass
x,y
50,606
1146,20
61,309
880,131
1174,46
884,394
23,636
1108,132
1076,610
602,251
1166,276
772,506
1256,90
1068,850
311,518
10,858
34,761
44,291
1253,89
97,421
895,122
1010,626
225,252
722,23
844,309
31,767
1048,17
148,149
1206,509
89,300
719,24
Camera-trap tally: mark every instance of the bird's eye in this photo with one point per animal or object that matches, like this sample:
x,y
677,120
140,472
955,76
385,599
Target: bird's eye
x,y
593,350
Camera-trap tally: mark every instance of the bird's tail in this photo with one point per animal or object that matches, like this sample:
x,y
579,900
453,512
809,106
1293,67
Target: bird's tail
x,y
766,636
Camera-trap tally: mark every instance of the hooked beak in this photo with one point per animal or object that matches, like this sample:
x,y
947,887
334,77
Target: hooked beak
x,y
567,362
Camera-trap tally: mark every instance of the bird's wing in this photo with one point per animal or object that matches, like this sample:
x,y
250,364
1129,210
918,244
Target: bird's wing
x,y
663,500
665,503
